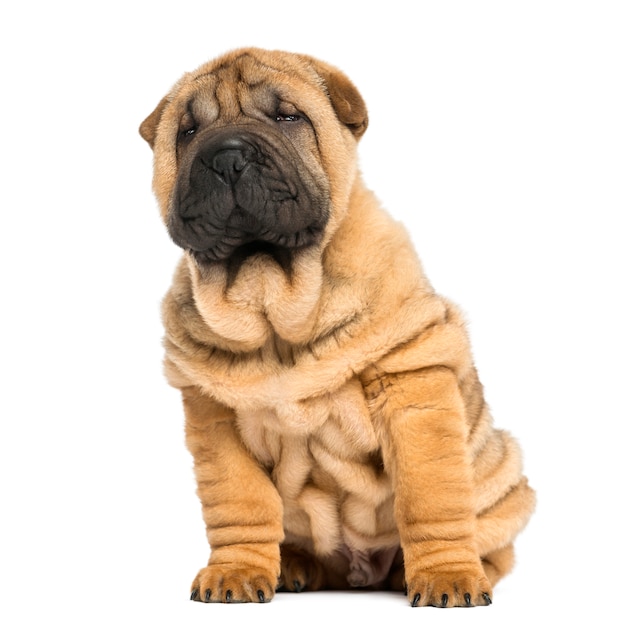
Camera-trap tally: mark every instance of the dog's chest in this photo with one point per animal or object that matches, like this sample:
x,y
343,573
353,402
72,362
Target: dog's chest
x,y
324,456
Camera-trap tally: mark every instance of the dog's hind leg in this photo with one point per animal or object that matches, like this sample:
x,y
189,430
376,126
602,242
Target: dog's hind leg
x,y
498,563
300,570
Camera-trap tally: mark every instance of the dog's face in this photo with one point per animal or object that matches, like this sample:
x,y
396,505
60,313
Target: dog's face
x,y
255,154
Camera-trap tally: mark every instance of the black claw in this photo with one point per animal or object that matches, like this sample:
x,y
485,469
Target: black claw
x,y
194,594
416,600
207,596
229,596
468,599
297,586
261,596
487,598
444,600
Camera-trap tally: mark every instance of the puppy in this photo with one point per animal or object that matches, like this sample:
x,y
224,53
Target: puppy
x,y
337,423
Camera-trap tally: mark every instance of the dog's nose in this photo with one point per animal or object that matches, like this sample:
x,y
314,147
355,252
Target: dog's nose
x,y
229,164
230,159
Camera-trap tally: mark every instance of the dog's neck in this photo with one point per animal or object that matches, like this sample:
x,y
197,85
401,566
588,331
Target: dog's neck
x,y
262,301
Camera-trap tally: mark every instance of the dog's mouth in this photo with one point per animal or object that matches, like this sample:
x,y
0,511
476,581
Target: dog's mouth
x,y
240,194
234,247
243,235
283,256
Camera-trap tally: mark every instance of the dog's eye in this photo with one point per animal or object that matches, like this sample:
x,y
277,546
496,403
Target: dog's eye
x,y
188,127
288,118
187,132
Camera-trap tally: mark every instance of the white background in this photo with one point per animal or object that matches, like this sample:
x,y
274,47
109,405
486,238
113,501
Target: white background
x,y
497,134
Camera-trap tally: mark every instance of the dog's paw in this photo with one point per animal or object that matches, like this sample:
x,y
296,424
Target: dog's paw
x,y
299,571
232,584
459,588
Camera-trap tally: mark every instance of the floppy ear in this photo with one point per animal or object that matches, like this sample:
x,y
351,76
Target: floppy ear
x,y
345,97
149,125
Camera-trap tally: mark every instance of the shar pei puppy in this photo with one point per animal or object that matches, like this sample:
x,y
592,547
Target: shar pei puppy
x,y
336,420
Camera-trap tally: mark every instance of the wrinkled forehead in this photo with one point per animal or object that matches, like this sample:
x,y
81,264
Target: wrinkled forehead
x,y
249,87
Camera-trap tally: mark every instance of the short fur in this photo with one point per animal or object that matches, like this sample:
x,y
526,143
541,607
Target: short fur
x,y
336,420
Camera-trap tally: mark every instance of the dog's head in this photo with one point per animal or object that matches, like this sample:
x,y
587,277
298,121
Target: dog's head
x,y
254,153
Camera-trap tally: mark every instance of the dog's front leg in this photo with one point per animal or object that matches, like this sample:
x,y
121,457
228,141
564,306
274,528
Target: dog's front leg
x,y
241,508
423,419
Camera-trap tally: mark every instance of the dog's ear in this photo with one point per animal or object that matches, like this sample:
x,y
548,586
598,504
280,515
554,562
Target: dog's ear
x,y
345,97
149,125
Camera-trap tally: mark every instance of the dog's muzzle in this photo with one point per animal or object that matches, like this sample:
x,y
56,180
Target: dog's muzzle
x,y
239,190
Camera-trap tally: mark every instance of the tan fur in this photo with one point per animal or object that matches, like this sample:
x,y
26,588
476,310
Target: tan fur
x,y
334,415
